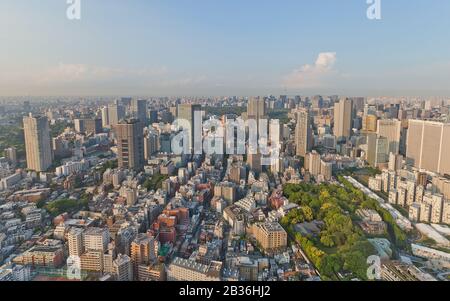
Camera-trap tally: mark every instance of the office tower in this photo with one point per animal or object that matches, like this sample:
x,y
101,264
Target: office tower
x,y
235,174
377,150
256,108
125,101
105,117
123,269
37,143
187,112
130,142
142,251
139,110
313,163
326,170
428,144
75,242
26,106
343,119
92,126
255,162
116,113
303,133
369,123
79,125
317,102
153,116
358,104
96,239
395,161
11,155
88,125
150,145
391,129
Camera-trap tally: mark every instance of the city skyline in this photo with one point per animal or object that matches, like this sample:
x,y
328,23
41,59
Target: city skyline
x,y
160,48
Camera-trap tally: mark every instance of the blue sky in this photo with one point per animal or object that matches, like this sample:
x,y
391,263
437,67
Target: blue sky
x,y
224,47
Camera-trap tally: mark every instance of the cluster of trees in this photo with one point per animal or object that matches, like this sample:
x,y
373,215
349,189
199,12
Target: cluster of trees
x,y
155,182
340,246
109,165
220,111
12,135
396,234
66,205
58,128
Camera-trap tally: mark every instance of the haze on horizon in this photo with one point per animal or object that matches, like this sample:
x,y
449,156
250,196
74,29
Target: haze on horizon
x,y
173,48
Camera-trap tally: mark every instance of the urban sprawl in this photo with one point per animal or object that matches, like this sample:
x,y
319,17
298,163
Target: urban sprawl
x,y
94,189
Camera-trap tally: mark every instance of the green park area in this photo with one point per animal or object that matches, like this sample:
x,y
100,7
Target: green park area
x,y
340,247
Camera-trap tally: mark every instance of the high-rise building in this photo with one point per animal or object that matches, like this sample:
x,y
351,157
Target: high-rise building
x,y
151,141
96,239
11,155
377,150
427,147
37,143
116,113
391,129
153,116
255,162
369,123
139,110
75,242
123,268
271,236
343,119
88,125
313,163
143,249
130,142
395,161
188,113
256,108
105,117
303,133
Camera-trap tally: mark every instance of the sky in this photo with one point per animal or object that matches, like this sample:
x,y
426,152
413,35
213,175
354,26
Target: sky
x,y
224,47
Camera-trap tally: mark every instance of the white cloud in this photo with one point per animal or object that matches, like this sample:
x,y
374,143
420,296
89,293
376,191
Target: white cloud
x,y
312,76
81,73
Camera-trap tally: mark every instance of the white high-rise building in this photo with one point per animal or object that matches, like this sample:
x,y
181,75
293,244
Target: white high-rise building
x,y
37,143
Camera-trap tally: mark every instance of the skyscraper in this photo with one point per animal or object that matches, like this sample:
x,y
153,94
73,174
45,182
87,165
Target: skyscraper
x,y
303,134
427,146
116,113
256,108
130,141
377,149
391,129
343,119
37,143
139,110
75,242
105,117
187,112
11,155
